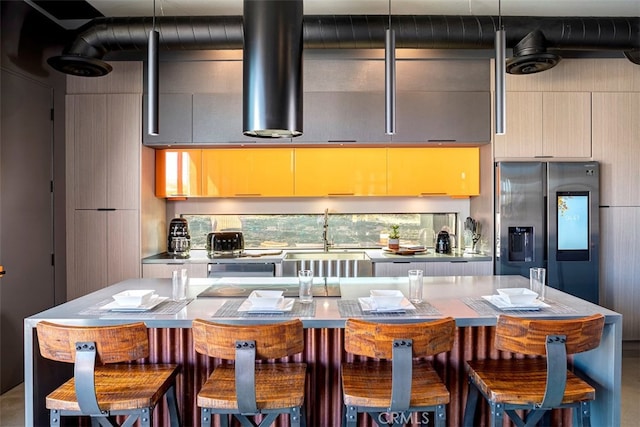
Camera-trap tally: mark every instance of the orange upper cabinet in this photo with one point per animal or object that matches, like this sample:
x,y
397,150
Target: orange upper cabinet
x,y
178,173
433,171
341,172
247,172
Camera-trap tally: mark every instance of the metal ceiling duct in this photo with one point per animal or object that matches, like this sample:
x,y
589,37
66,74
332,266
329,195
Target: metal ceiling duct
x,y
272,68
101,36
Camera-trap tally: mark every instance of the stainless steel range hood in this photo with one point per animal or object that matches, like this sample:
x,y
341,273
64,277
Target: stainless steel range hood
x,y
272,68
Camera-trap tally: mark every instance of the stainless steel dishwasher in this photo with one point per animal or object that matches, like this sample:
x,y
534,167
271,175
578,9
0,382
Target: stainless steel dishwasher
x,y
248,269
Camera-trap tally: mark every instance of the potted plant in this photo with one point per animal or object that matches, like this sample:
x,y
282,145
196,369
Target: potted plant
x,y
394,237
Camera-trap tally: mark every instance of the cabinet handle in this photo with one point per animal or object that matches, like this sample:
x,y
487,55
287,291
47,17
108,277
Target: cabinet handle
x,y
441,140
458,262
248,194
401,262
178,195
342,140
106,209
433,194
340,194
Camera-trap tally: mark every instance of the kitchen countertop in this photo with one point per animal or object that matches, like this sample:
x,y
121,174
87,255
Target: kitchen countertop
x,y
448,295
199,256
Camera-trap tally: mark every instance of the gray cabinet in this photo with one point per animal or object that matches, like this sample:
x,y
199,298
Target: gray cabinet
x,y
343,116
175,120
443,116
217,118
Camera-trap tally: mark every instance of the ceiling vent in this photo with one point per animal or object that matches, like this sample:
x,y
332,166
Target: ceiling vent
x,y
530,55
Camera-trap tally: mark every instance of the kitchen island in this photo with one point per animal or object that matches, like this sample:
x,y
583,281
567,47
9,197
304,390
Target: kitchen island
x,y
456,296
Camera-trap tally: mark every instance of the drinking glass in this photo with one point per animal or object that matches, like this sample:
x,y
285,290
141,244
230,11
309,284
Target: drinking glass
x,y
415,286
179,284
537,277
305,281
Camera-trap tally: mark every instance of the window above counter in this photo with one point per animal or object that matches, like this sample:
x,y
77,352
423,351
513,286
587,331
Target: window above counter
x,y
305,231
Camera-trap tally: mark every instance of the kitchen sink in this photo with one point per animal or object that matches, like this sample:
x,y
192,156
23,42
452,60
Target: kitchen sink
x,y
328,264
326,255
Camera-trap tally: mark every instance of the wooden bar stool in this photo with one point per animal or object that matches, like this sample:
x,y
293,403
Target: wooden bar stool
x,y
393,387
102,387
535,385
247,388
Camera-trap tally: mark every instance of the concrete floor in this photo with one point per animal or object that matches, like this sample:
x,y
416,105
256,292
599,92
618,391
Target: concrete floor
x,y
12,403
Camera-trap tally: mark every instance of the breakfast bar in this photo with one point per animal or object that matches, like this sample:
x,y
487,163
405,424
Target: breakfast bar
x,y
468,299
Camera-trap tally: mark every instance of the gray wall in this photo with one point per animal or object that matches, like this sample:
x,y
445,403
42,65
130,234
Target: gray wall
x,y
32,223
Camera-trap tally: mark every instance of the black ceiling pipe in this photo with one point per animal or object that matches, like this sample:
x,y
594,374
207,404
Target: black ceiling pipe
x,y
103,35
272,68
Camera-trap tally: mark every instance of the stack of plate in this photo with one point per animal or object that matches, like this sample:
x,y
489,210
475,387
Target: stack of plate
x,y
266,301
385,301
134,300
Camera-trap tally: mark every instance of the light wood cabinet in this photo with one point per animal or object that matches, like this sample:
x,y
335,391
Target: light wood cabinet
x,y
266,172
106,250
549,124
433,171
340,172
106,163
616,145
619,269
103,155
178,173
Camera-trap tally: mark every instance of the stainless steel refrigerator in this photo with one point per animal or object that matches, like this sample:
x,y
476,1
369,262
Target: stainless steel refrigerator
x,y
547,216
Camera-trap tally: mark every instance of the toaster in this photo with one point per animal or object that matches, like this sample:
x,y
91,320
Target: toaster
x,y
225,244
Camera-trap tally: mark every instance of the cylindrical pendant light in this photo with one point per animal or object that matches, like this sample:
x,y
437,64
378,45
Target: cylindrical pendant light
x,y
500,77
272,68
152,79
390,79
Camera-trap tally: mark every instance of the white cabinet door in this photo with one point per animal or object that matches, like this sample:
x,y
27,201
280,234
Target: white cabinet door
x,y
163,271
396,269
461,268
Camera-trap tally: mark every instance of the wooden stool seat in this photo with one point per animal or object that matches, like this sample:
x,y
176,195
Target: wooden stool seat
x,y
522,381
246,388
427,388
395,381
108,379
219,391
526,389
120,387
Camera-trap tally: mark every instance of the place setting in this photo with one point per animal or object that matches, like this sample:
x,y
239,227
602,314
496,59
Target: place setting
x,y
265,302
137,302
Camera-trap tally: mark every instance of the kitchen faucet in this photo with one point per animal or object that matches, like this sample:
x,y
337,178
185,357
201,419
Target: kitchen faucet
x,y
325,232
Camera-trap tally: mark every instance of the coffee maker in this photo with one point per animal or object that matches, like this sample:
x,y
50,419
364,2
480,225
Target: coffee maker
x,y
179,241
443,243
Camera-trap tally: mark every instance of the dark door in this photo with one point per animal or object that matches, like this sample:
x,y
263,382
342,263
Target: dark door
x,y
26,215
